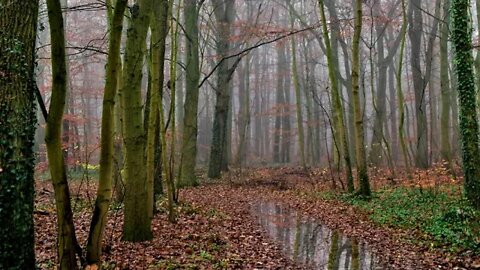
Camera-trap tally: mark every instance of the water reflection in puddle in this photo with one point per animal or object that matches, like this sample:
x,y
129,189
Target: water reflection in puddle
x,y
312,243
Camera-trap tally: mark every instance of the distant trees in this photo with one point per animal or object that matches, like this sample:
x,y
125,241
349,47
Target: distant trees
x,y
18,25
344,101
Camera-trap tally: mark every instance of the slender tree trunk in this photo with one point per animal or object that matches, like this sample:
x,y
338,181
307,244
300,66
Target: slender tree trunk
x,y
337,104
393,114
18,23
286,123
277,132
190,126
298,99
415,33
359,133
445,149
159,31
67,242
104,191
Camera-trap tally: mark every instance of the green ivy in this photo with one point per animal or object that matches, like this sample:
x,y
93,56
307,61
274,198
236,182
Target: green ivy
x,y
461,37
17,133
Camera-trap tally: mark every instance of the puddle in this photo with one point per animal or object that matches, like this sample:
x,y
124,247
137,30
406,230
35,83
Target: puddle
x,y
311,243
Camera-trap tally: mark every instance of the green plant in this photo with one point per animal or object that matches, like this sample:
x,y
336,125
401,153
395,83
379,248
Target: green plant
x,y
443,215
206,256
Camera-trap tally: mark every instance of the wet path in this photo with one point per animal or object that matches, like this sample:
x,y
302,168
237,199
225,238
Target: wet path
x,y
311,243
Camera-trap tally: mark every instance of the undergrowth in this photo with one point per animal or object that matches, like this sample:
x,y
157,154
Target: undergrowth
x,y
444,215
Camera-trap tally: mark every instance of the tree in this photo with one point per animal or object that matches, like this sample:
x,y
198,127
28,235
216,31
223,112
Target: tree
x,y
359,133
136,225
224,14
298,97
188,158
445,150
18,22
463,59
68,245
159,30
104,191
337,104
420,80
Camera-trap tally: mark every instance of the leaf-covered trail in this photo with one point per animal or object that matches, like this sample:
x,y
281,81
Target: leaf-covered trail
x,y
216,229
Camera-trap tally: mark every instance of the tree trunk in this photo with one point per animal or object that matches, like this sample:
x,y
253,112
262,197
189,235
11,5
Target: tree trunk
x,y
280,100
415,33
286,123
159,31
190,125
461,38
359,133
224,14
445,150
18,22
337,103
243,112
67,241
298,99
136,225
104,191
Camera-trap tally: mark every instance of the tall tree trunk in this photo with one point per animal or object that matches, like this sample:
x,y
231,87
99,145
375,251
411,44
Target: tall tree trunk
x,y
298,99
104,190
445,149
159,31
359,133
309,88
461,38
415,34
380,101
280,100
224,14
393,114
243,112
18,22
67,241
136,225
401,102
337,103
286,117
190,126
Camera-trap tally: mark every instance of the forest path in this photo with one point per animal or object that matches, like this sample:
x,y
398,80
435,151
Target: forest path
x,y
304,225
258,219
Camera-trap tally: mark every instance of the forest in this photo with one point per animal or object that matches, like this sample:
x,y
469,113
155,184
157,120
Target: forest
x,y
223,134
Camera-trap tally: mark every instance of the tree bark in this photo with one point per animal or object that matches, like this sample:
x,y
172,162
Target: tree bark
x,y
18,22
136,225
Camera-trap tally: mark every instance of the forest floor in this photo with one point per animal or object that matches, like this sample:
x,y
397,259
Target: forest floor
x,y
218,226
